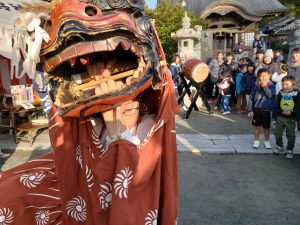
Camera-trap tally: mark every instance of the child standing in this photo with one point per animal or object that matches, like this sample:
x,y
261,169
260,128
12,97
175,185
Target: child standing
x,y
277,77
287,106
225,90
248,83
261,105
240,91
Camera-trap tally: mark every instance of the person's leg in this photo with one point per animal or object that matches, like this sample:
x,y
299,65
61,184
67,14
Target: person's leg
x,y
248,102
279,131
218,103
256,132
267,134
214,94
256,136
244,101
222,102
208,88
266,123
256,122
180,90
290,134
226,103
238,103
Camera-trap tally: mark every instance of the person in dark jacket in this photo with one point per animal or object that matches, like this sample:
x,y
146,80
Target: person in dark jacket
x,y
175,69
261,105
231,67
240,90
248,82
257,44
287,106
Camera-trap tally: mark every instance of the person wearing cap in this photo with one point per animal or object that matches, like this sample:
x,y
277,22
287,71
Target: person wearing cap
x,y
268,63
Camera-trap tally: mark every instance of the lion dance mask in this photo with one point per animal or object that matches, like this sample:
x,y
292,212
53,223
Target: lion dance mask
x,y
97,43
111,124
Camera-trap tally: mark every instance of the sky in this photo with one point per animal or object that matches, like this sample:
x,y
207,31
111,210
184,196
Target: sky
x,y
151,3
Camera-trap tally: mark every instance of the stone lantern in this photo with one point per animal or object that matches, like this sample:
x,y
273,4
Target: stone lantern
x,y
188,39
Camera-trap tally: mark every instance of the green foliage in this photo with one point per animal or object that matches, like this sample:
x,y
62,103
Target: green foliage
x,y
167,20
293,10
293,6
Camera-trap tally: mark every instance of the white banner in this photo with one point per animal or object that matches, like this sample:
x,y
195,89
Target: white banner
x,y
15,26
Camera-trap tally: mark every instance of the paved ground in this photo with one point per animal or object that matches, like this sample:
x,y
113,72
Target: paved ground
x,y
227,188
238,189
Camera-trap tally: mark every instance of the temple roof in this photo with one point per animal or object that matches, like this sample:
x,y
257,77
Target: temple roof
x,y
251,7
283,26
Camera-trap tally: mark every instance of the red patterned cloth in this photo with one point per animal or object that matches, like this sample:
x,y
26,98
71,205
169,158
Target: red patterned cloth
x,y
81,182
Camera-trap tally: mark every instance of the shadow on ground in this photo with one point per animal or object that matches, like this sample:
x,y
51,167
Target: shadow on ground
x,y
19,157
217,123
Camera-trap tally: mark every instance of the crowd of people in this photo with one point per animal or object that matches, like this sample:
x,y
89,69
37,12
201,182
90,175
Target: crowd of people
x,y
265,86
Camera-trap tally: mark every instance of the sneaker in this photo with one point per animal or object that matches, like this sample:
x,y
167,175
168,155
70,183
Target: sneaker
x,y
279,150
4,155
255,144
249,114
184,108
227,112
289,154
267,145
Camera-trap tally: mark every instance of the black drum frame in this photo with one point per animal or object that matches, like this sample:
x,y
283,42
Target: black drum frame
x,y
193,98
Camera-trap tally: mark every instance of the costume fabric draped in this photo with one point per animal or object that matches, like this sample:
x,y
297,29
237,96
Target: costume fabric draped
x,y
81,182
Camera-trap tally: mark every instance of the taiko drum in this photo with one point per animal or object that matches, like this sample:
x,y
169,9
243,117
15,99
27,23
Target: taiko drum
x,y
195,69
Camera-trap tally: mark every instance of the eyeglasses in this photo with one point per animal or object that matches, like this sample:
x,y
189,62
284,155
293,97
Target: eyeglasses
x,y
130,112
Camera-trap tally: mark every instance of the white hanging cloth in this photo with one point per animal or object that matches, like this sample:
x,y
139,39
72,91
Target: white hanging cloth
x,y
20,32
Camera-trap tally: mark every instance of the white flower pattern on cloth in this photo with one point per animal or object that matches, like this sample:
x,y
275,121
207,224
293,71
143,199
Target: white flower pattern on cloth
x,y
89,177
6,216
122,181
76,208
151,218
31,180
97,141
42,217
105,195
